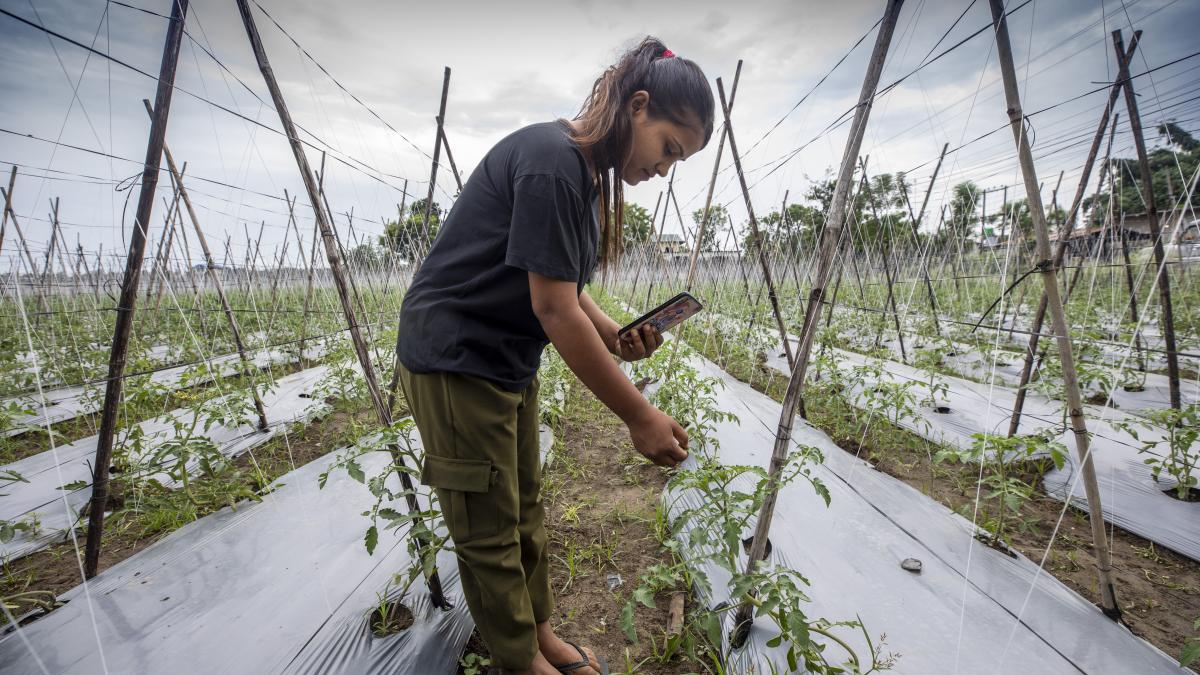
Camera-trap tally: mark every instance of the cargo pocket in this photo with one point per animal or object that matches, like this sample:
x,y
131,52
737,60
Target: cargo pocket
x,y
464,491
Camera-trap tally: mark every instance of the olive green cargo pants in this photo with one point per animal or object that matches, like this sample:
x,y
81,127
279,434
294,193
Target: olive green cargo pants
x,y
482,458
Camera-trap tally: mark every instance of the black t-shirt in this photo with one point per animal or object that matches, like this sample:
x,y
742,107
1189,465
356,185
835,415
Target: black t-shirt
x,y
530,206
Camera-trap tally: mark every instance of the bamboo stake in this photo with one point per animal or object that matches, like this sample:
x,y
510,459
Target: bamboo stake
x,y
1167,322
12,179
916,226
437,154
164,259
212,274
712,182
759,245
449,155
1058,317
830,239
129,286
1027,368
20,235
887,273
437,596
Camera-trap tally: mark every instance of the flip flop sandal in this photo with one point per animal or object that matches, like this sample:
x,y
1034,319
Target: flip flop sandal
x,y
583,663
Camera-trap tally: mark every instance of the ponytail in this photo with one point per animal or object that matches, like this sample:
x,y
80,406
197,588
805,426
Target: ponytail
x,y
679,92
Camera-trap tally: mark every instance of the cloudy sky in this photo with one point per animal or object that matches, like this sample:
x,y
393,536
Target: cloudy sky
x,y
518,63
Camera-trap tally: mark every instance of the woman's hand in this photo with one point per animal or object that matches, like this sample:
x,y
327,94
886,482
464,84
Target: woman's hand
x,y
658,437
638,344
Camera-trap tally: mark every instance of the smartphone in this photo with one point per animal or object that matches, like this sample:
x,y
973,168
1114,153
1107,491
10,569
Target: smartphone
x,y
667,315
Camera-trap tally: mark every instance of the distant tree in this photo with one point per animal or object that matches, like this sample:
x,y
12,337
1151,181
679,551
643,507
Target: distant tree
x,y
409,237
637,228
1170,167
718,217
368,257
962,219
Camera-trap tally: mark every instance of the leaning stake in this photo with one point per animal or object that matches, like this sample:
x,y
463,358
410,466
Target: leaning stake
x,y
210,265
829,244
335,269
759,244
1167,320
1058,317
129,285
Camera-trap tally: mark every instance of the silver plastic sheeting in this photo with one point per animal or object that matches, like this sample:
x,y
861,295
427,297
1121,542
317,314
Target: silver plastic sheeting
x,y
971,609
280,586
253,590
55,509
1130,496
70,402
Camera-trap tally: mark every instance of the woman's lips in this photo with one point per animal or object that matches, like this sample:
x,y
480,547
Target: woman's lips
x,y
647,173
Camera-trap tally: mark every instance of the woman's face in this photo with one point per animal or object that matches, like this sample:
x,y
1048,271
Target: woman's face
x,y
657,143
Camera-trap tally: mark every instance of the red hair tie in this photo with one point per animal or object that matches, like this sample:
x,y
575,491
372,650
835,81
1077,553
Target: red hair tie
x,y
667,53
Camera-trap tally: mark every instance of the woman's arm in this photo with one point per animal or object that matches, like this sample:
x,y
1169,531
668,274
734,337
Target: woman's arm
x,y
576,337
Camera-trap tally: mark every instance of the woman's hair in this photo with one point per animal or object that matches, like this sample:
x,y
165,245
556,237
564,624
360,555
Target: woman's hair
x,y
679,92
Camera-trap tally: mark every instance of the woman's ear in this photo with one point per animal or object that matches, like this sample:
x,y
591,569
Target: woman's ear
x,y
639,101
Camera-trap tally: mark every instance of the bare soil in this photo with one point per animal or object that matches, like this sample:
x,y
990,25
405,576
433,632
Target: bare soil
x,y
600,497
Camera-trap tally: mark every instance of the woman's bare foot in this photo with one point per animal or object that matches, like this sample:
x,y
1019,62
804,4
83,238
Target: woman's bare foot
x,y
540,666
557,652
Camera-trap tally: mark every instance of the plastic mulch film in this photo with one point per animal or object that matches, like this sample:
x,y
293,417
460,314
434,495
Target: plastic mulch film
x,y
1130,496
70,402
284,585
971,609
41,497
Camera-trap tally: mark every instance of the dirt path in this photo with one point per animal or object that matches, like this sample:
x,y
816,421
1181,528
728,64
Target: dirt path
x,y
601,499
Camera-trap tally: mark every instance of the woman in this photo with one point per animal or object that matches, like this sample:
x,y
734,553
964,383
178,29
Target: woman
x,y
504,277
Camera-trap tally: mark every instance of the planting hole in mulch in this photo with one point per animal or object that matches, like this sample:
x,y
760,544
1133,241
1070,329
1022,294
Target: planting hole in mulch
x,y
1193,494
941,409
1133,388
390,619
749,541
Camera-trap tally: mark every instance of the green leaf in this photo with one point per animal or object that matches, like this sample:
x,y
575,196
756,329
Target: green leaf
x,y
355,471
1190,654
627,621
644,595
712,628
371,539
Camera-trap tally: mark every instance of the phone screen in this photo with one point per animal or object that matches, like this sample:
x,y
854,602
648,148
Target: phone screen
x,y
667,315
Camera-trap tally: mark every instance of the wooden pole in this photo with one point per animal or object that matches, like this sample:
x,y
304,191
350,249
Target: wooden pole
x,y
1058,317
830,239
129,286
234,328
662,228
437,154
12,179
916,226
712,182
1060,250
759,244
20,235
437,596
653,249
887,272
1167,321
449,155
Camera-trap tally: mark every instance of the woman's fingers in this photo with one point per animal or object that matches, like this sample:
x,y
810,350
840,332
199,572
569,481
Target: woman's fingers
x,y
637,348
